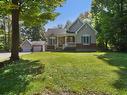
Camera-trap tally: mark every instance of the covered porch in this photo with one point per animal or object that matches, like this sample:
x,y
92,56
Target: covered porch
x,y
61,41
66,41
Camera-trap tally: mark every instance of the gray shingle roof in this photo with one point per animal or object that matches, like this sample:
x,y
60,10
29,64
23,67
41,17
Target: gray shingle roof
x,y
55,31
75,26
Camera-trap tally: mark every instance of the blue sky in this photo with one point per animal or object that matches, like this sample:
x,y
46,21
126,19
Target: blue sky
x,y
70,11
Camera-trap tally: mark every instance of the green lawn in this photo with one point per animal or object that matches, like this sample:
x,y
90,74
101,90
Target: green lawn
x,y
61,73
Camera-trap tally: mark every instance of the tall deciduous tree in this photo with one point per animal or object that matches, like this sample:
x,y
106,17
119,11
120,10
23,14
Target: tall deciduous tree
x,y
32,12
15,31
110,19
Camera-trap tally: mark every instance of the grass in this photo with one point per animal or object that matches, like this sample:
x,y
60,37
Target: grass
x,y
62,73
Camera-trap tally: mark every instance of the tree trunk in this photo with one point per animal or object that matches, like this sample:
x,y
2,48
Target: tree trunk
x,y
15,33
9,33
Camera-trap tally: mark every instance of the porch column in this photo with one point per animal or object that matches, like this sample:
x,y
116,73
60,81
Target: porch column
x,y
57,41
65,40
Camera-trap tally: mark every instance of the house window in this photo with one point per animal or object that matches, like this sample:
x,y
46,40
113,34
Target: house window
x,y
86,40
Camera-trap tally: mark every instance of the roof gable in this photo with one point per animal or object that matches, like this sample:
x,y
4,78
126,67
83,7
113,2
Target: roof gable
x,y
89,26
26,42
75,26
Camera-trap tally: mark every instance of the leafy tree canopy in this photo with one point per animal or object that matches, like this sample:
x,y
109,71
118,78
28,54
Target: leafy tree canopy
x,y
32,12
110,20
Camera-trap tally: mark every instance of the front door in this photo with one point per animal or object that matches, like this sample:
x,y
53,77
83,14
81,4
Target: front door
x,y
61,41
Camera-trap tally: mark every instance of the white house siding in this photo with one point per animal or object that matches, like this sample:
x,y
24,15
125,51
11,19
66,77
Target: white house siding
x,y
86,30
26,47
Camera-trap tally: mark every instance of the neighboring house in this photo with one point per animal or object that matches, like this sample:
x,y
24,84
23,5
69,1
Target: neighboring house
x,y
80,36
35,46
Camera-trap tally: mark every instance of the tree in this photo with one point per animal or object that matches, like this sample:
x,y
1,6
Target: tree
x,y
110,19
5,28
59,26
32,12
35,33
68,24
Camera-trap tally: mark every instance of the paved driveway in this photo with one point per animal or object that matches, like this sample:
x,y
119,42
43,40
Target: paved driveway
x,y
7,55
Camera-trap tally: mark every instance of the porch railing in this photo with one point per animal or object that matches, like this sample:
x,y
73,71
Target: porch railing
x,y
69,44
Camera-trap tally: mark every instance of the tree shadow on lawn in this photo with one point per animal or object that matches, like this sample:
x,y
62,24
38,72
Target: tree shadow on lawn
x,y
14,78
120,61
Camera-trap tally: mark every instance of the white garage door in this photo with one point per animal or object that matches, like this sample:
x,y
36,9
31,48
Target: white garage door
x,y
37,48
